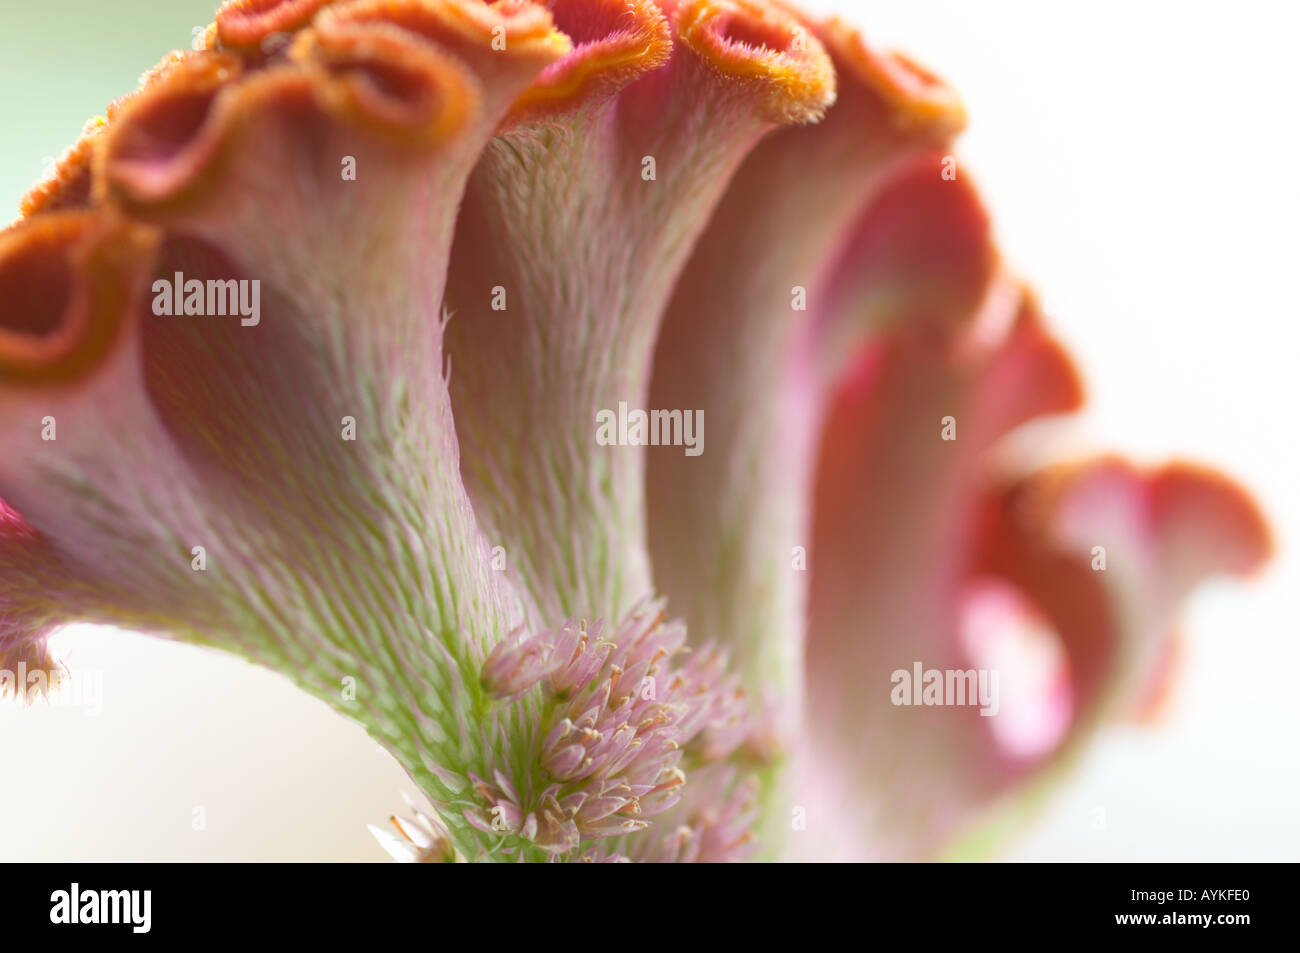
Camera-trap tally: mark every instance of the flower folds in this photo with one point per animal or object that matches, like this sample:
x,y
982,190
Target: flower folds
x,y
303,351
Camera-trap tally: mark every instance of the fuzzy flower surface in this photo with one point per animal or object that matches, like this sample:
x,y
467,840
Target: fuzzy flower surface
x,y
312,349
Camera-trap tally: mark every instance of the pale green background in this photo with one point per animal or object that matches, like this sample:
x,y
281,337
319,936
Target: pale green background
x,y
63,61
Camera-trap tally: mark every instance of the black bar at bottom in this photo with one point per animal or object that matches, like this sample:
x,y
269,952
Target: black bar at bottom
x,y
627,905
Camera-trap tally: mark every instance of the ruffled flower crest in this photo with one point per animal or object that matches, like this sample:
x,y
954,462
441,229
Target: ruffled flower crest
x,y
281,481
576,206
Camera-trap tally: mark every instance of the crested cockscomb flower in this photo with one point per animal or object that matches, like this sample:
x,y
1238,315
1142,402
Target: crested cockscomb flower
x,y
619,718
373,341
420,839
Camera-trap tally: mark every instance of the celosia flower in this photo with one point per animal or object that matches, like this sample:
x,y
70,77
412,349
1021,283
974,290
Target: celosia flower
x,y
423,839
301,356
